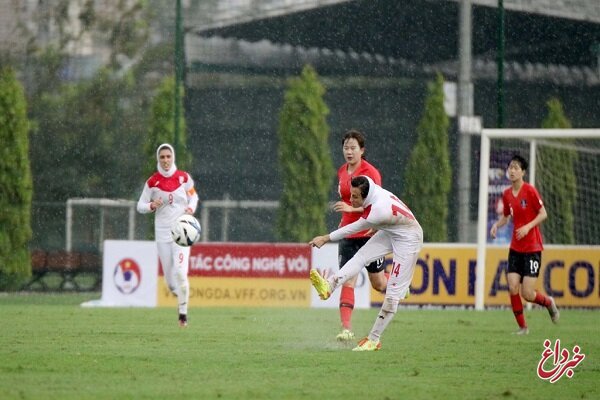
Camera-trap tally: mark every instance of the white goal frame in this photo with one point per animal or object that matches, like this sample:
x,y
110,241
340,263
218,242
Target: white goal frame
x,y
528,134
101,204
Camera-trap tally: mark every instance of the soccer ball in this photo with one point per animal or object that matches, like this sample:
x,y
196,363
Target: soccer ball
x,y
186,230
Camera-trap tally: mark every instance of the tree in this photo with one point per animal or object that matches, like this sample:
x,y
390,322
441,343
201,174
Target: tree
x,y
559,184
162,127
66,26
15,183
304,159
428,172
85,132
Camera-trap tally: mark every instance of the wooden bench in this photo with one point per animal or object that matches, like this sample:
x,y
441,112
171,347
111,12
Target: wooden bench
x,y
38,270
91,264
64,269
65,264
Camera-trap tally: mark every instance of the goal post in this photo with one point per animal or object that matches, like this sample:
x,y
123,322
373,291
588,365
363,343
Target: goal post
x,y
581,147
100,204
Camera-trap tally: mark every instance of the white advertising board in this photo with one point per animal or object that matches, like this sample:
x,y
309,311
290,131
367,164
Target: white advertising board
x,y
129,274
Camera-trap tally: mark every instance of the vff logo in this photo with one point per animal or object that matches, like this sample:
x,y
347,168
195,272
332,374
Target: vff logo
x,y
127,276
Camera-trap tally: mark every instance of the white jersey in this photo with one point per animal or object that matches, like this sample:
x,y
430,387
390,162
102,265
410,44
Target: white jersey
x,y
398,232
384,211
177,193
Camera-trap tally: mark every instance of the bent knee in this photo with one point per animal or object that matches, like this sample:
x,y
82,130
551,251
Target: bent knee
x,y
390,304
528,295
378,281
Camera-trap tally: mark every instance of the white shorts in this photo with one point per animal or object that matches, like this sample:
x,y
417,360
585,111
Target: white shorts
x,y
405,251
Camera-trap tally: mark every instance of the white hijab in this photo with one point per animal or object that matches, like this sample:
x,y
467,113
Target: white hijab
x,y
160,169
372,194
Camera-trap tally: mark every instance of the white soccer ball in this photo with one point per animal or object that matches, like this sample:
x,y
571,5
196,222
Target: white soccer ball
x,y
186,230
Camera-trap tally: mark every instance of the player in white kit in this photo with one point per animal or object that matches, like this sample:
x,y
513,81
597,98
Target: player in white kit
x,y
170,193
397,231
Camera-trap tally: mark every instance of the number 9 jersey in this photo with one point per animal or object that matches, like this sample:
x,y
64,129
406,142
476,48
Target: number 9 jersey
x,y
177,193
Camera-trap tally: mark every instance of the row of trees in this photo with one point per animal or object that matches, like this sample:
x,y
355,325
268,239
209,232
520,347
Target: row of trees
x,y
305,162
82,135
307,169
76,150
80,131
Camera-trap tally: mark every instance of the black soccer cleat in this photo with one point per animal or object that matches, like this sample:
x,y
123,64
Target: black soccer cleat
x,y
182,320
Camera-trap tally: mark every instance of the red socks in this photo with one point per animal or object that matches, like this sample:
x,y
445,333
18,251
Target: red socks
x,y
517,307
346,306
542,300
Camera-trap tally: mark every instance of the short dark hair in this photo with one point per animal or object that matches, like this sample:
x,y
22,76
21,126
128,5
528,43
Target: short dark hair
x,y
362,183
354,134
357,135
522,161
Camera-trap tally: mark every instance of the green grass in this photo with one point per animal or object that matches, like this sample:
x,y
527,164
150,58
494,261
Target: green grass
x,y
50,348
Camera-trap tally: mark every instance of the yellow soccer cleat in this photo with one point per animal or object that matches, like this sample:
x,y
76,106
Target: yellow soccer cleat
x,y
320,284
345,335
367,345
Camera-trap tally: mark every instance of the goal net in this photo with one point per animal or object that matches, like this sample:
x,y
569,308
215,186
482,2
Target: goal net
x,y
89,221
564,165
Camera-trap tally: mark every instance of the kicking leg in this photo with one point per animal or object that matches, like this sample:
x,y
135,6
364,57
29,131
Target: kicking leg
x,y
403,267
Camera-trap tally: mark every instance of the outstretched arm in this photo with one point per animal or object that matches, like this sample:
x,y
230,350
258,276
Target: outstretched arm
x,y
319,241
360,225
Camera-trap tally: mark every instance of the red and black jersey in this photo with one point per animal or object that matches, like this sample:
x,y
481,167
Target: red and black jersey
x,y
344,179
523,208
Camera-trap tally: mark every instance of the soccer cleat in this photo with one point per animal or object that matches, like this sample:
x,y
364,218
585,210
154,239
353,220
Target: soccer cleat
x,y
320,284
553,311
182,320
522,331
367,345
345,335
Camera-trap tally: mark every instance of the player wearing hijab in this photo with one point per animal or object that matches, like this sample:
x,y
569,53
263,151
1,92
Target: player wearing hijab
x,y
398,232
170,193
353,147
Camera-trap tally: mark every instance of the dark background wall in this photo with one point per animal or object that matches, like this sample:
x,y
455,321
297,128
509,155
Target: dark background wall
x,y
233,135
233,138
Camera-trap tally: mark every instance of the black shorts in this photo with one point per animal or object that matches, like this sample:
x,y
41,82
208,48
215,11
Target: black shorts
x,y
524,264
347,248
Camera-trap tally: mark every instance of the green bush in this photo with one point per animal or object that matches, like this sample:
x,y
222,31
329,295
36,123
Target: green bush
x,y
428,172
15,183
559,186
304,159
162,127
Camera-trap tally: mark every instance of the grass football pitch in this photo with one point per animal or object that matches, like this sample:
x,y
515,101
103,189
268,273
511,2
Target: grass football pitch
x,y
51,348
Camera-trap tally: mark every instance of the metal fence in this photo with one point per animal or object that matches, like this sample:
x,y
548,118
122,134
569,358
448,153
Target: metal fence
x,y
83,224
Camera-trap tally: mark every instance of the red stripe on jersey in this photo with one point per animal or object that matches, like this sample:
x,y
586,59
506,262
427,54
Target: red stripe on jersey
x,y
397,210
401,208
169,184
366,211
